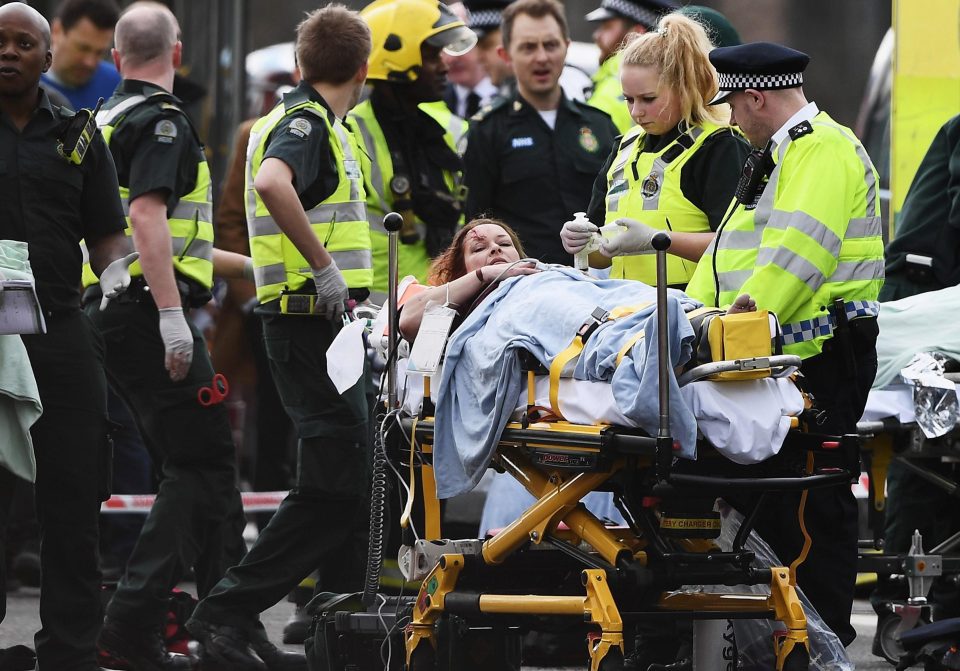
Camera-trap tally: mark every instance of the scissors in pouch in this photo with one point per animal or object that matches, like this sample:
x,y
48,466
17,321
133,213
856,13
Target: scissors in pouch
x,y
215,393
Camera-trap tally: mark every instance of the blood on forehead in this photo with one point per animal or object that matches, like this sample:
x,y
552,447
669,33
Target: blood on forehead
x,y
474,234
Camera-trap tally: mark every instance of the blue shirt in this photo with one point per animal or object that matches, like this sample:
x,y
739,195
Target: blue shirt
x,y
101,85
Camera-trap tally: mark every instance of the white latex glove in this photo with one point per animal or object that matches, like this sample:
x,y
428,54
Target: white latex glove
x,y
331,292
637,239
177,341
115,278
576,234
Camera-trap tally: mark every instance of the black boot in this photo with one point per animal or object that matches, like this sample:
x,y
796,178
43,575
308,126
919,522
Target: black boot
x,y
142,649
275,658
224,648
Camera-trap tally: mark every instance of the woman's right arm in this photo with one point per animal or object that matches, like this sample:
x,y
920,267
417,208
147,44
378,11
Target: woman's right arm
x,y
459,292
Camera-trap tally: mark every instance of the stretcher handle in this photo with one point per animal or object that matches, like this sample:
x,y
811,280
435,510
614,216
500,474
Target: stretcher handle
x,y
661,243
780,365
759,484
392,222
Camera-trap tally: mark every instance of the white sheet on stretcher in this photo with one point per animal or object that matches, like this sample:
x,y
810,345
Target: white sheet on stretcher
x,y
746,421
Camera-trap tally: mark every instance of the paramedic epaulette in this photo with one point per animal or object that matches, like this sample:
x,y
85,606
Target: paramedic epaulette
x,y
487,109
801,129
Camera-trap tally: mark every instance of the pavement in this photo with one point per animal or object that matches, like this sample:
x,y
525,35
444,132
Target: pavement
x,y
23,620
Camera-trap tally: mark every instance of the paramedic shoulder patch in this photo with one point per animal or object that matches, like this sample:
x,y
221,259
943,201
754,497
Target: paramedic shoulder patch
x,y
300,127
165,131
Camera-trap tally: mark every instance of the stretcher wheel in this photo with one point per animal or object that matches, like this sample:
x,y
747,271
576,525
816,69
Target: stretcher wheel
x,y
885,641
797,660
424,658
613,661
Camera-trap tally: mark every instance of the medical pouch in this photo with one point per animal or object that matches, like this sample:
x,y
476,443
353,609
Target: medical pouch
x,y
728,337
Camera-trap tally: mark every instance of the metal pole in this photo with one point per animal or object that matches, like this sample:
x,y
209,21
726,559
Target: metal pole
x,y
661,243
392,222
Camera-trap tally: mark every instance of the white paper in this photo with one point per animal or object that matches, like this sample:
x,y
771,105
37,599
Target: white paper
x,y
427,350
345,356
19,308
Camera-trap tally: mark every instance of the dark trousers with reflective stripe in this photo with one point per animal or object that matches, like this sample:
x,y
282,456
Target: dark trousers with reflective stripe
x,y
73,476
828,575
197,519
322,523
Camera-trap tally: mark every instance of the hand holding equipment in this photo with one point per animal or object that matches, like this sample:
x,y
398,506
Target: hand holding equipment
x,y
636,239
331,291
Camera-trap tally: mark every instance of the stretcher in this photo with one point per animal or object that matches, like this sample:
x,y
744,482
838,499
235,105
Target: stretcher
x,y
557,560
890,432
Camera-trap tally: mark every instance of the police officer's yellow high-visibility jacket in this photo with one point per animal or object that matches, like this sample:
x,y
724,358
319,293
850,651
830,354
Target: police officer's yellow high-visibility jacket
x,y
813,237
413,258
608,94
190,221
646,186
340,221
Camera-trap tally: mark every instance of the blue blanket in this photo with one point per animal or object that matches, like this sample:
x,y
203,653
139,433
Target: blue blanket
x,y
481,378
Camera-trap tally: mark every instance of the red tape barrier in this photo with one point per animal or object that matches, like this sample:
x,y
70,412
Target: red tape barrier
x,y
253,502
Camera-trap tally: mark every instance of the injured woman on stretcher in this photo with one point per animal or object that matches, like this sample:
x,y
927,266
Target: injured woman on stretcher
x,y
507,308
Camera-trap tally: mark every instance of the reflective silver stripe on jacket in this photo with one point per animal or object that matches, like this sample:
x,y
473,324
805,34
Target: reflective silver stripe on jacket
x,y
741,240
351,166
808,225
272,274
324,213
618,182
352,259
184,209
107,117
733,280
192,247
794,264
864,227
376,176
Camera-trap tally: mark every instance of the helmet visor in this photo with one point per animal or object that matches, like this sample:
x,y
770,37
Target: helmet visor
x,y
455,40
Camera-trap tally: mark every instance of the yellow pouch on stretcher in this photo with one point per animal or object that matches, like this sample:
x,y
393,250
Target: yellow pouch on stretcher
x,y
738,336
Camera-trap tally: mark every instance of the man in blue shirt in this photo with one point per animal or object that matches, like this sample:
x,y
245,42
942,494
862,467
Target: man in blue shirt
x,y
82,32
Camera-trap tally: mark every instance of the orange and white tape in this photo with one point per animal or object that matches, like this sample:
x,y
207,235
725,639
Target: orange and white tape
x,y
253,502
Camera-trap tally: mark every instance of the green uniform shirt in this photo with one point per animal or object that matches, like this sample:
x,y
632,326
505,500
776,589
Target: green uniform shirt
x,y
51,204
517,169
150,154
929,223
315,180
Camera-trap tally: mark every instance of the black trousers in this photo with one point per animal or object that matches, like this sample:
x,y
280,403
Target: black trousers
x,y
828,575
316,526
73,476
197,518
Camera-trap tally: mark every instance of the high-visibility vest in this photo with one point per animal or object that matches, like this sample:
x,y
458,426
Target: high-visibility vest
x,y
646,186
190,221
412,259
607,93
813,237
340,221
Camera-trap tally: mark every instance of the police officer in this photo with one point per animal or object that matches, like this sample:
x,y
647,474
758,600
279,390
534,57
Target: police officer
x,y
51,200
409,134
805,243
156,362
615,19
310,243
531,160
484,19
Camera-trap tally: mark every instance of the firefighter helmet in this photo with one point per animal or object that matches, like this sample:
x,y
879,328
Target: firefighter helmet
x,y
399,27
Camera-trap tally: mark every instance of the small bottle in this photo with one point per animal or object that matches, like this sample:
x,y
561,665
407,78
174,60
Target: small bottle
x,y
581,260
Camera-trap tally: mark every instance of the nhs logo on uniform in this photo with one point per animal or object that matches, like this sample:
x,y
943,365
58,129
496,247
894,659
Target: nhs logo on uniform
x,y
522,142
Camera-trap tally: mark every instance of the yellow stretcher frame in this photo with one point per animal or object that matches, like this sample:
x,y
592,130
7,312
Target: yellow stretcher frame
x,y
558,493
